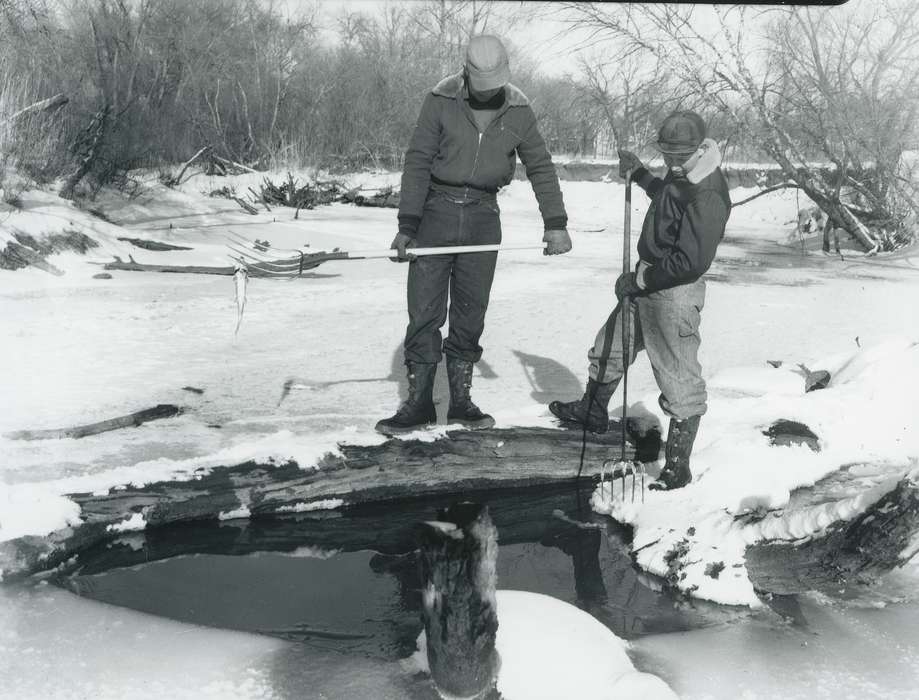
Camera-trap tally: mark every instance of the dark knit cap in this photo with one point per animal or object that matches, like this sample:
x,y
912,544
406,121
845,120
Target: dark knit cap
x,y
681,133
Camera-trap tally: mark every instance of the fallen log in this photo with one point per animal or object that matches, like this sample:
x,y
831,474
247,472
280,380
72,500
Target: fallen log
x,y
131,420
234,164
245,205
386,527
860,540
851,551
177,180
157,246
462,462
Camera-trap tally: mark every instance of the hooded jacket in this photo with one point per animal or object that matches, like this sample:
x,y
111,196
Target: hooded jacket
x,y
447,145
685,221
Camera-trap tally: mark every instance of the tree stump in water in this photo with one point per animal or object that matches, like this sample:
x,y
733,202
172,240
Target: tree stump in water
x,y
458,556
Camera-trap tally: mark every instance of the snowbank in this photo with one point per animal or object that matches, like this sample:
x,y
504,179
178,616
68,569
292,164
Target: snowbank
x,y
866,419
550,649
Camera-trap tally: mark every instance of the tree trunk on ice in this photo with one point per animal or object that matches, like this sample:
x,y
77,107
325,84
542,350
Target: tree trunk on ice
x,y
849,553
459,552
163,410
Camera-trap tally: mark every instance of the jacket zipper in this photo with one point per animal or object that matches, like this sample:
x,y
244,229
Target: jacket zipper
x,y
475,162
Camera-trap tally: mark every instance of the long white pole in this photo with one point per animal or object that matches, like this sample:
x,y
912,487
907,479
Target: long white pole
x,y
443,250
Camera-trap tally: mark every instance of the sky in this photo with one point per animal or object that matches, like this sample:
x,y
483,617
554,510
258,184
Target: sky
x,y
541,33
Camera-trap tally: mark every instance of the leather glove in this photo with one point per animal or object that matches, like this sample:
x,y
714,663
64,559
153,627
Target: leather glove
x,y
629,284
558,241
400,243
628,161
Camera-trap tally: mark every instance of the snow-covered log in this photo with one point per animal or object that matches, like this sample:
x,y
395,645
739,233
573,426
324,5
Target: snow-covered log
x,y
845,529
461,462
851,550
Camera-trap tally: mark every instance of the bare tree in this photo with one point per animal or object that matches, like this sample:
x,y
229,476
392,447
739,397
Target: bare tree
x,y
627,96
777,88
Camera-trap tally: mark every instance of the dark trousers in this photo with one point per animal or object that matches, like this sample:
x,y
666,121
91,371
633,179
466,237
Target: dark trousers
x,y
465,279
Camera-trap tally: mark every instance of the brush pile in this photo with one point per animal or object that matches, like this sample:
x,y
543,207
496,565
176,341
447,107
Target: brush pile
x,y
291,193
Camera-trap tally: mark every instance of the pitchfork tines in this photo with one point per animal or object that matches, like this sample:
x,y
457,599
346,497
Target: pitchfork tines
x,y
627,474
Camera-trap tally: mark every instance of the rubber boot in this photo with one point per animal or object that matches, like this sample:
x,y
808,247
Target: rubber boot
x,y
675,473
418,410
462,409
592,408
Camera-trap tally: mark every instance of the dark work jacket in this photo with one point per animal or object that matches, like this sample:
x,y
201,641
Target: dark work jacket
x,y
683,226
447,145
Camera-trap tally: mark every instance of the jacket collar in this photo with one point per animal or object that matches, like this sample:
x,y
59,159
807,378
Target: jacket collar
x,y
701,164
454,86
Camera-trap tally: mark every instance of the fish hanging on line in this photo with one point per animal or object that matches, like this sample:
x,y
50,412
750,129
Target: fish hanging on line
x,y
241,278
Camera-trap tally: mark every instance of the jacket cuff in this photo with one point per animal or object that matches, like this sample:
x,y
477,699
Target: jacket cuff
x,y
408,224
643,177
656,280
556,223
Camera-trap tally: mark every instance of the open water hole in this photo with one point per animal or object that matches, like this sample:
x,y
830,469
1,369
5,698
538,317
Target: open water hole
x,y
348,580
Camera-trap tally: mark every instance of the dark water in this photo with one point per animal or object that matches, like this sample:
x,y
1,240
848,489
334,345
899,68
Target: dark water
x,y
348,580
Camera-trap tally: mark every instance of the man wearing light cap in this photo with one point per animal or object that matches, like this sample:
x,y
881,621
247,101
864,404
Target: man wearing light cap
x,y
471,129
682,228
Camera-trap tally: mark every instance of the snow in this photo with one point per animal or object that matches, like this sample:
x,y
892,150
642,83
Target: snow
x,y
241,512
549,648
78,350
56,646
324,504
737,471
135,522
39,507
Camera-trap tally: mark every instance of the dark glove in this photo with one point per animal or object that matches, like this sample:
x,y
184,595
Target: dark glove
x,y
628,161
557,241
400,243
627,285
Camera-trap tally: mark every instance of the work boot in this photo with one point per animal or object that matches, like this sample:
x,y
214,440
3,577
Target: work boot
x,y
462,409
418,410
675,473
591,410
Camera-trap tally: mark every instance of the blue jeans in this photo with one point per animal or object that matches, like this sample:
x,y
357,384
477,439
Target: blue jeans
x,y
466,278
666,325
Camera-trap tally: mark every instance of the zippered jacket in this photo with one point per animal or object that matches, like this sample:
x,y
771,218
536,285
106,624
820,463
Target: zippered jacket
x,y
447,145
684,224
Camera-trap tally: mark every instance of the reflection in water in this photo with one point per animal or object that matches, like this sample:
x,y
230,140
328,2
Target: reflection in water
x,y
348,581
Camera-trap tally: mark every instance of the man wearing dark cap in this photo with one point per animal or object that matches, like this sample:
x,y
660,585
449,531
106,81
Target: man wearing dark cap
x,y
471,129
682,228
